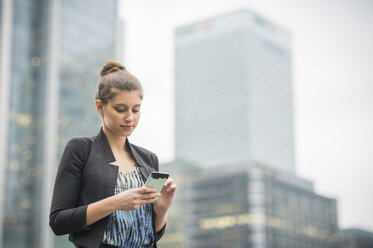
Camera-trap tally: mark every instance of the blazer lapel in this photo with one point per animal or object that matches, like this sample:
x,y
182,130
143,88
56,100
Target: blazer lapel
x,y
111,171
144,167
109,157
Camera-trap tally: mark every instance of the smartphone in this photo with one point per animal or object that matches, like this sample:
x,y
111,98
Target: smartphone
x,y
157,180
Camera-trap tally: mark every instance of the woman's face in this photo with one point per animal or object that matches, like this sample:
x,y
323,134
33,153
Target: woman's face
x,y
122,113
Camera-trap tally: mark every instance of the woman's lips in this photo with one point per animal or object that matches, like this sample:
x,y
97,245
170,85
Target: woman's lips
x,y
127,127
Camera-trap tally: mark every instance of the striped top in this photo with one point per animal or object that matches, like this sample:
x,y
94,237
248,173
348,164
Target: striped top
x,y
130,228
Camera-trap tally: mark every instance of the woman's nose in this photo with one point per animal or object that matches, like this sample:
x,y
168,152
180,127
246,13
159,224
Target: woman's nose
x,y
129,116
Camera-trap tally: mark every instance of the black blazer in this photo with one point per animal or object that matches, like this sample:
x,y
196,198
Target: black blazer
x,y
85,176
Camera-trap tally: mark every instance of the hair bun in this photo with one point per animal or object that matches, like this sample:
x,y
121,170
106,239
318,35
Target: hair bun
x,y
111,66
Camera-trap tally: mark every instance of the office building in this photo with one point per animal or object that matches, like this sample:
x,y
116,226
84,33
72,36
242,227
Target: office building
x,y
51,55
181,172
355,238
252,205
233,92
234,118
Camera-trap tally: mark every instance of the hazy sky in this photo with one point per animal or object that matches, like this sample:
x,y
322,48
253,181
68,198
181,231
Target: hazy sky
x,y
332,44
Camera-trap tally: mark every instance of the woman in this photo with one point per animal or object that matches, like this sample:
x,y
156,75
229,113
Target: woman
x,y
99,197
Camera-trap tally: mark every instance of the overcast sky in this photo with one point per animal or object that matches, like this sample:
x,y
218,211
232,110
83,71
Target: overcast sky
x,y
332,44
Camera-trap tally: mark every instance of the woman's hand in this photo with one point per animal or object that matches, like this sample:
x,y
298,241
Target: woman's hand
x,y
134,198
167,195
162,205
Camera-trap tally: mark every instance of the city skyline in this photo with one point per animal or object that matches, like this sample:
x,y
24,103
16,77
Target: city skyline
x,y
332,53
331,108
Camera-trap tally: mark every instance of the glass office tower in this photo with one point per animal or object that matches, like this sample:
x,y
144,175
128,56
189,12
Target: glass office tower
x,y
51,56
249,205
255,206
233,92
355,238
19,162
234,119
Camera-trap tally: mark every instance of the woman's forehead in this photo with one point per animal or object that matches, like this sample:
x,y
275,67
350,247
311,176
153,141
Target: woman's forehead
x,y
126,98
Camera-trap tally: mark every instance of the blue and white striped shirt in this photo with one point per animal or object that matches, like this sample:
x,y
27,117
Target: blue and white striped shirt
x,y
130,228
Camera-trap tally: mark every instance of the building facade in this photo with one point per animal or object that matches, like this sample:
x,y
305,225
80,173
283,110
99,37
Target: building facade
x,y
181,172
51,54
355,238
233,92
251,205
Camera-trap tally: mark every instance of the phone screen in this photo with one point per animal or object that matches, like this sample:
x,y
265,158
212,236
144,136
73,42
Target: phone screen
x,y
157,180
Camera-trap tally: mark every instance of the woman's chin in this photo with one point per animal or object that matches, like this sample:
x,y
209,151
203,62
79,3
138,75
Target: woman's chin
x,y
126,133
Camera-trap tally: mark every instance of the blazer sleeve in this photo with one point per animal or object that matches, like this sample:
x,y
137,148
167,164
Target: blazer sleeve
x,y
65,214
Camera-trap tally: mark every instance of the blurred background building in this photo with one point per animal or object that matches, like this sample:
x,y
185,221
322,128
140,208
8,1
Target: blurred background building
x,y
355,238
234,119
51,55
233,92
249,205
181,172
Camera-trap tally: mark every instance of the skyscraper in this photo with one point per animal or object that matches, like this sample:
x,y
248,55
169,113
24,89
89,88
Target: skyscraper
x,y
233,92
51,54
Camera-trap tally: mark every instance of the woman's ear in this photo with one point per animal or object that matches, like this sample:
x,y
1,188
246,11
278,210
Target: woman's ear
x,y
99,107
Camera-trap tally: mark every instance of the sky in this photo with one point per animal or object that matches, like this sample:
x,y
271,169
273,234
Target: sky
x,y
332,81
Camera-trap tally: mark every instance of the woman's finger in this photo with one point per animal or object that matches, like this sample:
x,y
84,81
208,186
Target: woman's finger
x,y
172,188
150,196
146,190
169,181
143,202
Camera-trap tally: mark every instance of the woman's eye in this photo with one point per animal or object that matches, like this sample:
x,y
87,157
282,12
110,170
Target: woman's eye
x,y
123,110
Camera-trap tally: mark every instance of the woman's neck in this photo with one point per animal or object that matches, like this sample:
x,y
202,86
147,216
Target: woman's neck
x,y
117,143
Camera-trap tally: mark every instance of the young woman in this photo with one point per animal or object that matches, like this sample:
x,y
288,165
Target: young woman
x,y
99,198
